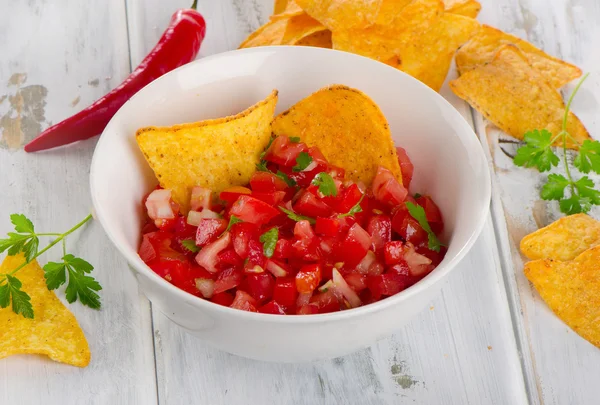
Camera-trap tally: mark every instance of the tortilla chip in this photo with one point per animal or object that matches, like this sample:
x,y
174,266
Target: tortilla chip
x,y
483,46
468,8
300,27
271,33
291,9
564,239
516,97
214,154
320,39
428,57
391,35
53,332
348,128
279,6
572,290
342,14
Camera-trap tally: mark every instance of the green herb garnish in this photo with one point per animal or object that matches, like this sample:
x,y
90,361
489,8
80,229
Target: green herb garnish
x,y
295,217
269,240
418,213
190,245
302,161
354,210
326,184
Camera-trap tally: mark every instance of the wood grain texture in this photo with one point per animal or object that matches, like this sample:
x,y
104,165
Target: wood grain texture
x,y
560,366
73,50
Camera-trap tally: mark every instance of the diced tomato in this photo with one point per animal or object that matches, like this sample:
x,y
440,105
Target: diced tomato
x,y
348,199
241,234
233,193
393,252
284,292
266,182
308,204
209,230
346,223
208,255
284,152
308,278
256,256
340,284
435,257
406,166
261,286
327,226
167,225
283,249
272,307
354,247
229,258
228,279
303,230
387,189
401,268
432,213
357,282
308,309
386,284
223,298
366,263
147,252
419,265
380,229
206,286
273,198
244,301
325,302
252,210
149,227
408,227
185,274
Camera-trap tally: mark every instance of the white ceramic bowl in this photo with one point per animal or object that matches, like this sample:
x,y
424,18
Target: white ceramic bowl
x,y
449,165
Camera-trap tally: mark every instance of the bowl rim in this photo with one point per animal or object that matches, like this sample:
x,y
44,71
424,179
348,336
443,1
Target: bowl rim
x,y
467,136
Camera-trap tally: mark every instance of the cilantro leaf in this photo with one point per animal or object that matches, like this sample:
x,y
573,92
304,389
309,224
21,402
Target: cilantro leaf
x,y
418,213
585,189
554,189
190,245
354,210
11,293
269,240
55,274
262,166
290,182
537,152
571,205
588,157
295,217
232,221
302,161
22,223
326,184
294,139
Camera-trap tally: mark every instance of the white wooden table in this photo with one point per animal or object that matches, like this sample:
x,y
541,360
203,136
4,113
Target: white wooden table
x,y
487,339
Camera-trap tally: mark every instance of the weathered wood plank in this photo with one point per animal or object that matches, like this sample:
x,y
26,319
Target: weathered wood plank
x,y
57,57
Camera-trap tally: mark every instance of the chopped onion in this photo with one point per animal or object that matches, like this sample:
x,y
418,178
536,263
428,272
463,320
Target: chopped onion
x,y
325,287
159,205
310,166
303,299
366,262
206,286
194,217
200,198
207,257
276,269
418,264
256,269
343,287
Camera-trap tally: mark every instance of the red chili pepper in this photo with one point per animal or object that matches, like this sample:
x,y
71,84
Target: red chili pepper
x,y
178,45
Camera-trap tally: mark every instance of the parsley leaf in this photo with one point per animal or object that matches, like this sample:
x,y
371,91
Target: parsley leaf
x,y
418,213
290,182
25,240
269,240
22,223
588,157
354,210
232,221
554,189
295,217
11,293
262,166
302,161
326,184
571,205
190,245
537,152
80,285
294,139
585,189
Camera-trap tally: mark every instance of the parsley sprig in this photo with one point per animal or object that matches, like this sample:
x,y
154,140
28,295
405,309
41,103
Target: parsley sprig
x,y
418,213
25,240
573,195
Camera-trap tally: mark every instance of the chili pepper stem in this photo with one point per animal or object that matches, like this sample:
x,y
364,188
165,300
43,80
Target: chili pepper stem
x,y
194,5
